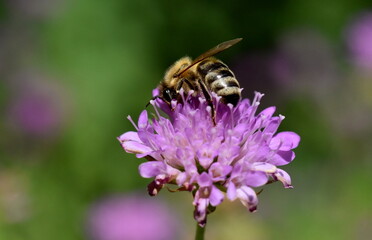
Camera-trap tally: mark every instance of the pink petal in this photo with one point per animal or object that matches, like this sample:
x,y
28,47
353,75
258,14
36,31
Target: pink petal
x,y
143,120
285,141
204,180
181,178
284,177
256,179
151,169
263,167
200,212
155,92
142,155
219,171
135,147
216,196
268,112
282,158
129,136
236,170
262,152
248,197
205,155
273,125
240,128
231,191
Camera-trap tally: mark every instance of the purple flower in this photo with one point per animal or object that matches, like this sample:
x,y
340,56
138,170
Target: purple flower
x,y
131,217
34,114
359,38
37,106
238,153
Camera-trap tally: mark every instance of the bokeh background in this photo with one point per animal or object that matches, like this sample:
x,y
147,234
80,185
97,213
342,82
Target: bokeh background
x,y
71,71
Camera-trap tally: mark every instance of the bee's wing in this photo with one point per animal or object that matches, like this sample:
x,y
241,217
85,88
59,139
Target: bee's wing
x,y
211,52
217,49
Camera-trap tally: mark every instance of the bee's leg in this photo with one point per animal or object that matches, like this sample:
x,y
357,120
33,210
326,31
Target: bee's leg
x,y
156,97
180,85
181,82
208,97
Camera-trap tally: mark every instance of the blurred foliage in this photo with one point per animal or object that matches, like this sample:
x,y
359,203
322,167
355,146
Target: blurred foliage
x,y
107,56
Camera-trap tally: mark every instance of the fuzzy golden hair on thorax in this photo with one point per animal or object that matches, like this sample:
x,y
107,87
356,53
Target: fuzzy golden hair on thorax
x,y
170,80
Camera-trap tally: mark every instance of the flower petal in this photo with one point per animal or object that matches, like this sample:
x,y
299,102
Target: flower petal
x,y
272,126
256,179
155,92
151,169
204,180
143,120
268,112
219,171
135,147
216,196
285,141
231,191
284,177
129,136
263,167
181,178
248,197
205,155
200,212
282,158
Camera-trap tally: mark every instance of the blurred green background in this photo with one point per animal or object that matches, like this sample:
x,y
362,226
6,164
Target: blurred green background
x,y
71,71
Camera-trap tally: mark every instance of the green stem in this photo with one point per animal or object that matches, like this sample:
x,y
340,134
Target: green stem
x,y
199,232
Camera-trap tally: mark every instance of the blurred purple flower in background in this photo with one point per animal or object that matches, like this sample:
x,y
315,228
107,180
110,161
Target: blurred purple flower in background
x,y
240,152
359,40
131,217
37,105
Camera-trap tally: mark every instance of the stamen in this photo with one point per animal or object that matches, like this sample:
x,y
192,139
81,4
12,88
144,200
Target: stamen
x,y
131,120
183,96
156,109
209,110
174,104
189,94
231,107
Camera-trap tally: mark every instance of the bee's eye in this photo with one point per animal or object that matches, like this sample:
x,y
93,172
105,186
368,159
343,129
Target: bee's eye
x,y
167,95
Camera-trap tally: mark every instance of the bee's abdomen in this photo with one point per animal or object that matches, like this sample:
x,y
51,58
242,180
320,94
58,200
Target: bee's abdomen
x,y
220,79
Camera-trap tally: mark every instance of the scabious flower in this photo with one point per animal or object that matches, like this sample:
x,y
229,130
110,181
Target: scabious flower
x,y
237,153
131,217
37,106
359,37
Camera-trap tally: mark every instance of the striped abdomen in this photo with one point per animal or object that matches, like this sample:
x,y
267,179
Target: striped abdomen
x,y
220,79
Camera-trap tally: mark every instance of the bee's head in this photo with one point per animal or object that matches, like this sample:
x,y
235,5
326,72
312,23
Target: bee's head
x,y
169,84
169,94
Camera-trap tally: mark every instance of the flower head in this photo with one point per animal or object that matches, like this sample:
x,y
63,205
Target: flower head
x,y
359,37
237,153
38,107
131,217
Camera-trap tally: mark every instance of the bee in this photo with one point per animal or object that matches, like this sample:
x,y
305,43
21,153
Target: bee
x,y
204,74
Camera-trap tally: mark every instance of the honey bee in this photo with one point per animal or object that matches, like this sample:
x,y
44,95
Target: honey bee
x,y
204,74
